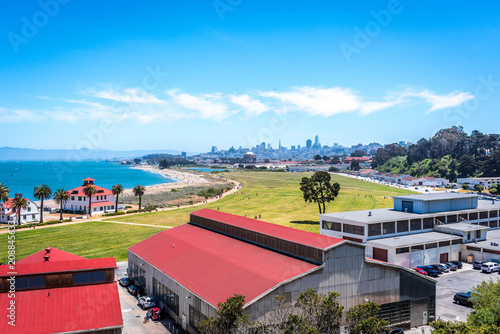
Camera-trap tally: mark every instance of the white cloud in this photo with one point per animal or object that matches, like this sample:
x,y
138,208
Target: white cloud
x,y
128,95
208,106
19,115
251,106
438,102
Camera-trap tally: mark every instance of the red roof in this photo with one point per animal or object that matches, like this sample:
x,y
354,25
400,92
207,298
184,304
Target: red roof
x,y
214,266
8,204
106,203
430,178
61,310
33,267
79,191
282,232
89,179
55,255
410,178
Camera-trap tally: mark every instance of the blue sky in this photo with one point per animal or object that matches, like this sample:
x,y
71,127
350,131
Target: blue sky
x,y
187,75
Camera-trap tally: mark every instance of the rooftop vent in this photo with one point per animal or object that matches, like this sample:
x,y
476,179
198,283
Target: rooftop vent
x,y
369,213
48,249
46,258
494,243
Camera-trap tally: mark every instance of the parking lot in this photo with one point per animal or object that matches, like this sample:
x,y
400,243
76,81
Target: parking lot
x,y
133,314
448,284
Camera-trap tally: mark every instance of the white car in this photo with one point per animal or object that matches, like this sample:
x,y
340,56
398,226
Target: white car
x,y
489,267
147,302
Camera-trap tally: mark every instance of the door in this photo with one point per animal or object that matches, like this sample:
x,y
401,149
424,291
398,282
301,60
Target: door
x,y
380,254
183,321
425,317
443,257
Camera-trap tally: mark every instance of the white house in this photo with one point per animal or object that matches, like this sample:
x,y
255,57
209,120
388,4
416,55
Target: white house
x,y
484,181
28,215
424,181
102,201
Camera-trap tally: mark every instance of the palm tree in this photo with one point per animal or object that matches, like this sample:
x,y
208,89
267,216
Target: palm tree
x,y
42,192
19,203
61,196
4,192
117,190
89,190
139,191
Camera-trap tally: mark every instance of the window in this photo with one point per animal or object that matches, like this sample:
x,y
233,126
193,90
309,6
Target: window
x,y
97,276
72,198
451,219
374,229
494,223
456,241
402,226
415,224
29,209
493,214
483,223
473,216
444,243
431,245
440,219
477,249
195,317
463,216
354,229
417,248
483,215
332,226
402,250
165,295
79,198
30,282
389,227
137,273
428,223
478,234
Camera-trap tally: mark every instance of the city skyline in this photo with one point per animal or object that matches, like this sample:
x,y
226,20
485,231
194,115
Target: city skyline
x,y
171,74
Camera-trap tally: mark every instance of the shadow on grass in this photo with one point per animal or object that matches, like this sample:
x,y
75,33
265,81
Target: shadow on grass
x,y
305,222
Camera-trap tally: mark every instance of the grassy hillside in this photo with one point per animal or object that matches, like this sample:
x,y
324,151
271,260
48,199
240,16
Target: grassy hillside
x,y
274,196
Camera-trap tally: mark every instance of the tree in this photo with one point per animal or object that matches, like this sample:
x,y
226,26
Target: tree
x,y
491,166
318,189
61,196
41,192
468,166
117,190
465,186
139,191
164,164
89,191
318,157
355,165
333,169
4,193
361,319
137,161
335,160
478,188
18,204
493,189
321,312
358,153
228,318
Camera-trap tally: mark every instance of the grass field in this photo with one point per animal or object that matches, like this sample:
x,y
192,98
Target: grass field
x,y
274,196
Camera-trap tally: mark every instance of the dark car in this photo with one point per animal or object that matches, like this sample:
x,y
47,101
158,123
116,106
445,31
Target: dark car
x,y
135,290
437,268
451,266
126,281
477,264
463,299
397,331
430,271
457,263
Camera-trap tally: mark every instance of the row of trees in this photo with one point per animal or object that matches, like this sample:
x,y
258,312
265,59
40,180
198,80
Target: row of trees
x,y
312,313
61,196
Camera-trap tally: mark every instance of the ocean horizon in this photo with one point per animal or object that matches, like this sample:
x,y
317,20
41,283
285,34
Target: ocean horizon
x,y
23,176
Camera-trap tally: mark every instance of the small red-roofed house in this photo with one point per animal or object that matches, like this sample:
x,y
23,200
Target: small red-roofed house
x,y
53,291
9,216
102,201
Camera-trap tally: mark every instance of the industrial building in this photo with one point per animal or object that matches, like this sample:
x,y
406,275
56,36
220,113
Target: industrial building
x,y
419,229
58,292
193,267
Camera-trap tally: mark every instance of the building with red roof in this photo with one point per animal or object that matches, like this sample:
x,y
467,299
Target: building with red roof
x,y
53,291
102,201
9,215
192,268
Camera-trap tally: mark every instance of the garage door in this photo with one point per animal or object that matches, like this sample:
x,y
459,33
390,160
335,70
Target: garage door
x,y
380,254
443,257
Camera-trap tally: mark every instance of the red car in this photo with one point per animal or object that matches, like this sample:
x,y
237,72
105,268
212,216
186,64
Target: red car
x,y
420,271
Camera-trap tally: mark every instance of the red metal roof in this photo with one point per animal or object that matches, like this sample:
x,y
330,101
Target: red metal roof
x,y
63,309
55,255
97,204
89,179
79,191
286,233
57,266
214,266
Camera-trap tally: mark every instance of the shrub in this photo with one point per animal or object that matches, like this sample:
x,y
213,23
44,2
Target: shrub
x,y
113,214
174,190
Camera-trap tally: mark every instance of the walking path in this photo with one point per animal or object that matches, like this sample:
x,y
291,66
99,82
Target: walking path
x,y
237,186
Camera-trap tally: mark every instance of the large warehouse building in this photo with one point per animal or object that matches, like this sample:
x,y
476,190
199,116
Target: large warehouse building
x,y
419,229
193,267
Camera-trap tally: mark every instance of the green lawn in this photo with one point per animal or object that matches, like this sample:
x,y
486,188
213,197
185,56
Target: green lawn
x,y
274,196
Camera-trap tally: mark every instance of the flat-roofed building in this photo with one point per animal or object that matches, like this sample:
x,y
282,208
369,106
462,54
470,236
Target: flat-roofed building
x,y
484,181
461,215
193,267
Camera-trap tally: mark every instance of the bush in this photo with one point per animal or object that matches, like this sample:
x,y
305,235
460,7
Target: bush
x,y
131,211
174,190
113,214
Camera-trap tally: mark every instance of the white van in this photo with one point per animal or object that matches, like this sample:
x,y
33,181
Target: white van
x,y
489,267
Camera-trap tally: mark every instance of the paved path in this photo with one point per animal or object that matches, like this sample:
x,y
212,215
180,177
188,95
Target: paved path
x,y
111,221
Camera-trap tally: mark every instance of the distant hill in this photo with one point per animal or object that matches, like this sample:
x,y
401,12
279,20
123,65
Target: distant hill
x,y
27,154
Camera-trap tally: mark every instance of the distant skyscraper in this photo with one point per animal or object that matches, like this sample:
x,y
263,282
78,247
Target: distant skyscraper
x,y
269,147
292,147
308,143
184,154
279,147
298,147
263,146
316,140
214,149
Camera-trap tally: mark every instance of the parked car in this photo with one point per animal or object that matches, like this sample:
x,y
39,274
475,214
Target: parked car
x,y
446,269
420,271
430,271
135,290
477,264
495,261
451,266
457,263
147,302
489,267
463,299
397,331
126,281
439,267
